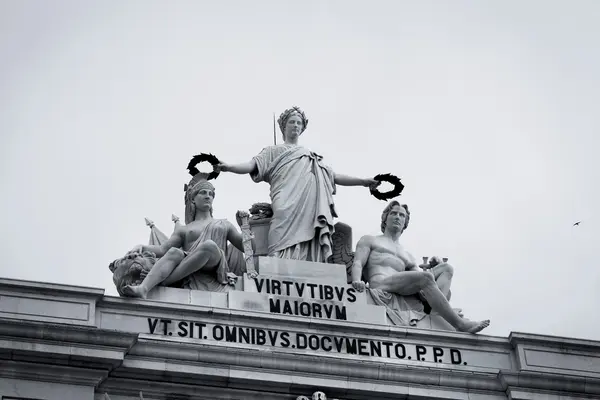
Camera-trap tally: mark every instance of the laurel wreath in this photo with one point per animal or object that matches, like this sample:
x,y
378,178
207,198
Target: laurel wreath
x,y
203,157
394,180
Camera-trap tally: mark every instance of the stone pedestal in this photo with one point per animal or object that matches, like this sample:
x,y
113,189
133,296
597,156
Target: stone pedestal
x,y
286,287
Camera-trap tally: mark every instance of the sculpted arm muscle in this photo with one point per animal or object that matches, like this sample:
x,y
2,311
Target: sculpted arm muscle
x,y
243,168
412,266
345,180
235,238
176,240
363,249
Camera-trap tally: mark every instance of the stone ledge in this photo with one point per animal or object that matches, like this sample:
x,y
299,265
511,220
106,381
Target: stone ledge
x,y
187,296
52,288
48,302
51,373
537,381
586,345
186,351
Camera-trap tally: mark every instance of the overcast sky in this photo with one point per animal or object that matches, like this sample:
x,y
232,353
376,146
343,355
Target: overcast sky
x,y
488,111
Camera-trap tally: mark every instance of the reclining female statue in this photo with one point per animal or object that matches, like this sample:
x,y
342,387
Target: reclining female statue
x,y
195,249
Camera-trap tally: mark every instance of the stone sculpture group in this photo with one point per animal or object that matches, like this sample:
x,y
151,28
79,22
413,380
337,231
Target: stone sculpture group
x,y
209,254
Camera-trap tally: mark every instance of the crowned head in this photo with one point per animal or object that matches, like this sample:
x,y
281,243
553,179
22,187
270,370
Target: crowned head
x,y
199,195
292,123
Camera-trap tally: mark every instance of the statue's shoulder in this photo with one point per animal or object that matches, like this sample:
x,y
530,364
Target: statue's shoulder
x,y
180,229
367,240
222,223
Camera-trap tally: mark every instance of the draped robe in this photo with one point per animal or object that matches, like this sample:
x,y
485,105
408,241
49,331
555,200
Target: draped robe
x,y
302,190
216,230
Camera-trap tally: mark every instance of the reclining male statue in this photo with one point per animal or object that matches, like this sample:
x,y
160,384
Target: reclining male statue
x,y
196,252
391,270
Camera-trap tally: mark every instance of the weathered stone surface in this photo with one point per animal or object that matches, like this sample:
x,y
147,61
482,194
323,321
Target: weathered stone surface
x,y
17,389
317,272
187,296
49,302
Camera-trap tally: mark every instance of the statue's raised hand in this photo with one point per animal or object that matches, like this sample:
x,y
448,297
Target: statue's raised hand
x,y
221,167
371,183
359,286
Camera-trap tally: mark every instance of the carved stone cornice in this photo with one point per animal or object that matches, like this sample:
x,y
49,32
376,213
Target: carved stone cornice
x,y
50,288
224,364
540,381
32,371
72,334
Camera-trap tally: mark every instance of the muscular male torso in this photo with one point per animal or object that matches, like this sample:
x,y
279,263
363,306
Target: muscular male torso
x,y
386,258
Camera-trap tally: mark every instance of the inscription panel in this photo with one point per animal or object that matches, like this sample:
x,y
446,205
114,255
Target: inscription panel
x,y
183,328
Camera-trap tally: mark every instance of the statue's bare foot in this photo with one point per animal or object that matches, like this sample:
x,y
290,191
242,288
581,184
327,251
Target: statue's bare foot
x,y
473,326
135,291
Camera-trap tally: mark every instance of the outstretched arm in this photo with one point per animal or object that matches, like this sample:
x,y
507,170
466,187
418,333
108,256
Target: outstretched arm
x,y
175,240
363,249
241,169
345,180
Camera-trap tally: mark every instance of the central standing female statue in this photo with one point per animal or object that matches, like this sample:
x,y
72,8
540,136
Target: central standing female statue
x,y
302,189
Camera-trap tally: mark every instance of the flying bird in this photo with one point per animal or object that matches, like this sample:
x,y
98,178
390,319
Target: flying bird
x,y
577,223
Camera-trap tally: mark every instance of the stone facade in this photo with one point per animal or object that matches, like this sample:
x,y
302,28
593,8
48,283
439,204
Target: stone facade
x,y
60,342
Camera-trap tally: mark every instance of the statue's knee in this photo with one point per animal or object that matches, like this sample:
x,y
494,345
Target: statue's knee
x,y
447,269
211,247
174,254
427,279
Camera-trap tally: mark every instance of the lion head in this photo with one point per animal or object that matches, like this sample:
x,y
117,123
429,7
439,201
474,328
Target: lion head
x,y
131,269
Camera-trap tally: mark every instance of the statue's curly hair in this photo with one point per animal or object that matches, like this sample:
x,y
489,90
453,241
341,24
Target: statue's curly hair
x,y
283,118
386,212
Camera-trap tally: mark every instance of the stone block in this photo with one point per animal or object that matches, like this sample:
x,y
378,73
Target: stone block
x,y
317,272
214,299
169,295
187,296
439,323
47,308
34,389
